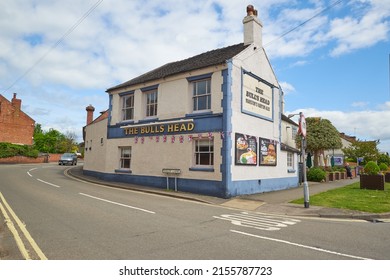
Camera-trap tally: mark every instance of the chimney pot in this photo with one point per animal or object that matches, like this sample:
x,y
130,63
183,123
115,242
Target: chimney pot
x,y
90,109
17,103
249,10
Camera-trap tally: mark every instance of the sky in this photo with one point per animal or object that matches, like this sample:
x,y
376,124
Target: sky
x,y
331,57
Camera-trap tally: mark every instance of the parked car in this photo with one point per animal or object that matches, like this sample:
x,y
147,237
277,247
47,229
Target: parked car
x,y
68,158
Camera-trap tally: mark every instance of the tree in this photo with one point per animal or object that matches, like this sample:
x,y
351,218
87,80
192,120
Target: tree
x,y
367,150
69,142
384,158
38,129
320,135
53,141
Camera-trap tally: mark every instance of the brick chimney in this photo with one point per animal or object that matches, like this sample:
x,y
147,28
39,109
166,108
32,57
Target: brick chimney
x,y
17,103
90,109
252,27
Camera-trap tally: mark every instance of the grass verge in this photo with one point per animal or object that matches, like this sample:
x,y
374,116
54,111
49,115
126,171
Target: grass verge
x,y
353,198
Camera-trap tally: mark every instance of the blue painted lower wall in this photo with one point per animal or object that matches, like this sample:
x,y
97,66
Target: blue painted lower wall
x,y
204,187
262,185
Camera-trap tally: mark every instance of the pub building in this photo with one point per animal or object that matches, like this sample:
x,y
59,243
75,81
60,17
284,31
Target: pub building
x,y
210,124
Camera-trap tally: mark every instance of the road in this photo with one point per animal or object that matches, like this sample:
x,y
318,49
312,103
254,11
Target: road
x,y
69,219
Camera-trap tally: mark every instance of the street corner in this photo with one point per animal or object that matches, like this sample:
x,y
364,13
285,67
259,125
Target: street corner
x,y
289,209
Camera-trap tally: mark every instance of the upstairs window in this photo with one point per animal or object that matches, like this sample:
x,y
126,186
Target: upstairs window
x,y
201,94
294,132
151,103
128,107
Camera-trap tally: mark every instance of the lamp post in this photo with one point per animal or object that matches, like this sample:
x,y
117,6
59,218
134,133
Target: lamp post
x,y
302,132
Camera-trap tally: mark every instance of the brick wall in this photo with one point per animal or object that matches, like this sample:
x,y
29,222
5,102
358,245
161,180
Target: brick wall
x,y
15,126
17,133
22,159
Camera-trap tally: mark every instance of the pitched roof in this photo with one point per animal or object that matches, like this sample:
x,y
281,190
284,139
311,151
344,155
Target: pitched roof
x,y
285,147
210,58
287,119
347,137
2,98
103,116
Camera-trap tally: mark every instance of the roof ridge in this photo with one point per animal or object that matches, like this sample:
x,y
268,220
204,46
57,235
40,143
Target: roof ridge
x,y
202,60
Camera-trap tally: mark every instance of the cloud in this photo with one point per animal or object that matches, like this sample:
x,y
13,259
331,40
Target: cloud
x,y
352,33
299,63
365,124
287,88
359,104
118,42
385,106
365,23
104,48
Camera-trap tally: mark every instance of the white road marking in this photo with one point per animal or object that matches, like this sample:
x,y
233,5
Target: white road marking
x,y
117,203
47,183
258,221
299,245
28,172
23,229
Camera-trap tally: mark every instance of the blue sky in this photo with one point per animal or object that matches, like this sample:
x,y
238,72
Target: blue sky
x,y
61,56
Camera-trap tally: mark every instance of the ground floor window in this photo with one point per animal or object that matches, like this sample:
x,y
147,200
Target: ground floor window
x,y
290,160
125,159
203,152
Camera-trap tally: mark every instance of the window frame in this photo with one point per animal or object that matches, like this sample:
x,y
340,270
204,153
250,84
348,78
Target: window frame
x,y
294,132
196,96
198,153
151,108
290,160
123,157
124,109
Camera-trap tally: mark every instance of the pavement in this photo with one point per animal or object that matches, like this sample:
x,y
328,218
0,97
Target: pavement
x,y
276,202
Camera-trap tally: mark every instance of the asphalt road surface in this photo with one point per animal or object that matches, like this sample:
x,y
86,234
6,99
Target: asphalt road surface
x,y
66,219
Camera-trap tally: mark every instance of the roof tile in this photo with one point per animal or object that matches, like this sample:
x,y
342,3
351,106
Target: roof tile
x,y
203,60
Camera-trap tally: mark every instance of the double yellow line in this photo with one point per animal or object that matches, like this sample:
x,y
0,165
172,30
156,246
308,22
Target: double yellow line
x,y
5,209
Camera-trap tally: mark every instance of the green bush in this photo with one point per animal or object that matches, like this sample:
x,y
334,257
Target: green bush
x,y
11,150
383,167
338,169
371,168
316,174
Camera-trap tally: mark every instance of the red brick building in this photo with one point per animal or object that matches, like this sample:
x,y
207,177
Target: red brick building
x,y
15,126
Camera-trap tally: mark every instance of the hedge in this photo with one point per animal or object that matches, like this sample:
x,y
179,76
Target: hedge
x,y
11,150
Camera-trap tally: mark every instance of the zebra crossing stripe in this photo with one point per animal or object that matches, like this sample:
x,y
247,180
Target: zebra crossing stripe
x,y
258,221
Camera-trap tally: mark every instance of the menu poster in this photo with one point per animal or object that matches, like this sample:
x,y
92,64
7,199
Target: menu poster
x,y
268,154
246,149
